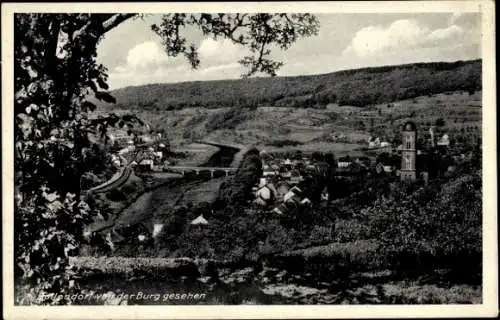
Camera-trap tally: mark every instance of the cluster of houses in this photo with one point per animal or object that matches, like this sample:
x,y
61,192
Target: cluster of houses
x,y
382,143
146,158
280,183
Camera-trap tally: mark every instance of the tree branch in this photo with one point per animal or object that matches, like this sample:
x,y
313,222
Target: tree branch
x,y
116,20
107,25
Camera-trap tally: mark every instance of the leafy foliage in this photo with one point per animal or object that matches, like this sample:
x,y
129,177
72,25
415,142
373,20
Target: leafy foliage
x,y
443,222
256,31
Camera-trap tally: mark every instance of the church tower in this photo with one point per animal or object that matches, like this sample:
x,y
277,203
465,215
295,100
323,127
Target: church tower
x,y
409,152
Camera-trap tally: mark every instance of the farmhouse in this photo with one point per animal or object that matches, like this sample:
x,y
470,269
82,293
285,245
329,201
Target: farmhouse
x,y
444,141
294,192
200,220
344,162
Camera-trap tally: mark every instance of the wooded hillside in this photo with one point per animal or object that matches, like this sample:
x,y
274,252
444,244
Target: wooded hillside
x,y
359,87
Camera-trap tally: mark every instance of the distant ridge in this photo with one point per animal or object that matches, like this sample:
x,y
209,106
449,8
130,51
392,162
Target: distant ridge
x,y
356,87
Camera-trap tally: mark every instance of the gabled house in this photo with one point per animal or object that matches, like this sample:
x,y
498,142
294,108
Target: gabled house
x,y
444,141
264,193
294,192
344,162
305,202
269,173
200,220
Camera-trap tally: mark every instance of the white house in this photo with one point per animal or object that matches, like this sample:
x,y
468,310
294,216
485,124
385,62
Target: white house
x,y
262,182
278,211
269,173
287,174
199,220
264,193
295,191
387,168
343,164
157,227
305,202
385,144
375,143
444,141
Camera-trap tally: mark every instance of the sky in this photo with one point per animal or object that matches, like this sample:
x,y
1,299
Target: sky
x,y
134,55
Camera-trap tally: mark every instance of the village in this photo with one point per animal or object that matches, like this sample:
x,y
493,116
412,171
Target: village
x,y
283,186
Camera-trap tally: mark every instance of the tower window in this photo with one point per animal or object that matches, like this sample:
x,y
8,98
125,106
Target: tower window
x,y
408,142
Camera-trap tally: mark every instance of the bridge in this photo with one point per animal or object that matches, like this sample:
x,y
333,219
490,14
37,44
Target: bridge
x,y
198,170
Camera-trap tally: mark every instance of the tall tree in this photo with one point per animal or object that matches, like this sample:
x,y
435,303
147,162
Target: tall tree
x,y
56,71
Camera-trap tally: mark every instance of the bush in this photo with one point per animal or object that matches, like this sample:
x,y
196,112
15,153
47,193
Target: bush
x,y
443,225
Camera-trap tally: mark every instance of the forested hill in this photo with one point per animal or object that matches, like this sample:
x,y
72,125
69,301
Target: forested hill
x,y
359,87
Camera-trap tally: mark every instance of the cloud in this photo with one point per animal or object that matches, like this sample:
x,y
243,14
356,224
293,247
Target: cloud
x,y
446,33
219,52
175,73
146,56
401,35
148,63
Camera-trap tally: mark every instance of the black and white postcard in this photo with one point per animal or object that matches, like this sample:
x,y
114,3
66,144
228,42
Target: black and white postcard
x,y
249,160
